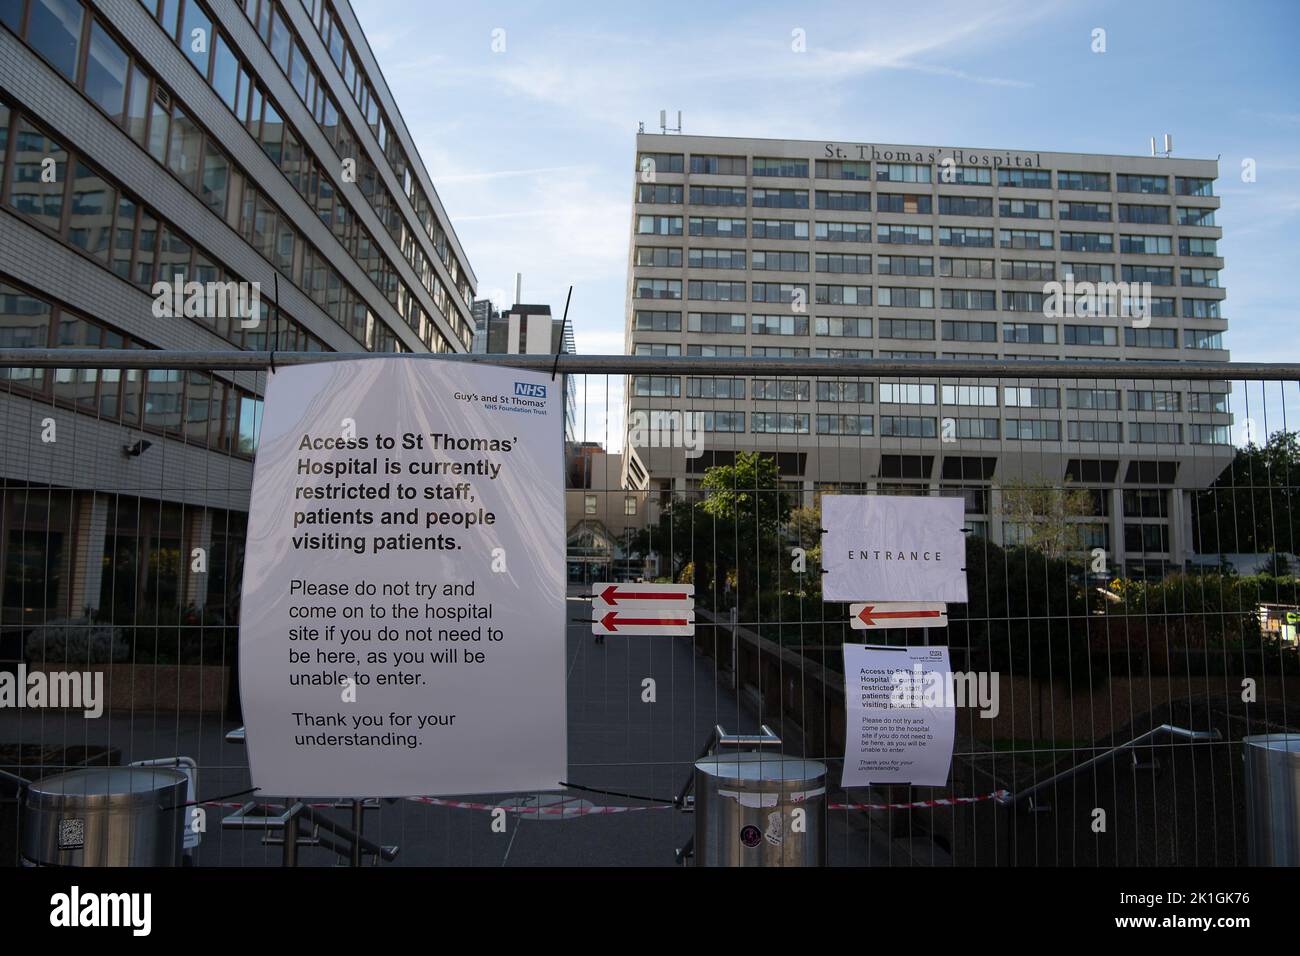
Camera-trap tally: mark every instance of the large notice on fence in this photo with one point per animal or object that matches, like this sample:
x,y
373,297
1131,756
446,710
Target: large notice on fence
x,y
900,715
402,627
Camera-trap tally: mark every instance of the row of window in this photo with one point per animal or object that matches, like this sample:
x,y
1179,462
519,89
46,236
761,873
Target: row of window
x,y
279,36
1025,270
649,164
95,215
893,233
236,83
916,426
1081,304
196,408
672,349
917,204
298,68
950,330
133,98
980,396
670,257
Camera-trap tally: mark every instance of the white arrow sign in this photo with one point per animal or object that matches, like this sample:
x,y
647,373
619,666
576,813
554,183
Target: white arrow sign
x,y
623,597
636,621
882,614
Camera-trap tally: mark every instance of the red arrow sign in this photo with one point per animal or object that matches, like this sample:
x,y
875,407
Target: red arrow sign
x,y
612,594
612,619
867,617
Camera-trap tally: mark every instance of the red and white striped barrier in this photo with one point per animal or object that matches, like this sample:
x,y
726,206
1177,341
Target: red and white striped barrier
x,y
921,804
578,810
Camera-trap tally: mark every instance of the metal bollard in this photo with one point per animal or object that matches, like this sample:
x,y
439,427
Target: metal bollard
x,y
1272,799
105,816
759,808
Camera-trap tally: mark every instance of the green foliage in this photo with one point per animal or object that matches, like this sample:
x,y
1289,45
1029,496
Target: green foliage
x,y
1045,511
1254,505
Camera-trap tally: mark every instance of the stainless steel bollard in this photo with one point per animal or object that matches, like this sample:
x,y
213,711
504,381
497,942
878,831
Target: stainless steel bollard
x,y
1272,799
746,810
105,816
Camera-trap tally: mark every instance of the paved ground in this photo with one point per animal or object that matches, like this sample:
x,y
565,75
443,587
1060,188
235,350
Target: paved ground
x,y
616,742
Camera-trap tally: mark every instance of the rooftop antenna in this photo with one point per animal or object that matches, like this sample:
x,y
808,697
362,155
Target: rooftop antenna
x,y
519,287
663,122
1168,151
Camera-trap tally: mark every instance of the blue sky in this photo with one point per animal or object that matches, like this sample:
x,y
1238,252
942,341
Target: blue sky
x,y
532,149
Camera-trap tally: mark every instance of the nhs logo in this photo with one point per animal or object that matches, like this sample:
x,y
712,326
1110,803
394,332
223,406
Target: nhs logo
x,y
528,390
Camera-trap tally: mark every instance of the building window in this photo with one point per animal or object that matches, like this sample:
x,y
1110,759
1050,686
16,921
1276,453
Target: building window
x,y
1090,182
1025,178
589,504
1132,183
629,505
902,173
797,168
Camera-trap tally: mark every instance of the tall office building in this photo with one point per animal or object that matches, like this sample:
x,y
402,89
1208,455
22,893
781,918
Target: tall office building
x,y
250,153
757,247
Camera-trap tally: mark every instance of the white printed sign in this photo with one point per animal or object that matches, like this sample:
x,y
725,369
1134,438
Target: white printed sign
x,y
649,610
403,620
900,715
893,548
880,615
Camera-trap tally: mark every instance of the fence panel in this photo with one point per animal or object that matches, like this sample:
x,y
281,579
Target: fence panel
x,y
1131,556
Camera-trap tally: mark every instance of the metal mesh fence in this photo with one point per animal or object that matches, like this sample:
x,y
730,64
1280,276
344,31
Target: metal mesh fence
x,y
1131,549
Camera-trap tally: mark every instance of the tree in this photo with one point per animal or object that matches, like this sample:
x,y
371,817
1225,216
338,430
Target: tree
x,y
1253,507
1046,512
749,507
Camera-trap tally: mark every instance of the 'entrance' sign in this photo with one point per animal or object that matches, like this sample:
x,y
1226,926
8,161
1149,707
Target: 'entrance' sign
x,y
883,548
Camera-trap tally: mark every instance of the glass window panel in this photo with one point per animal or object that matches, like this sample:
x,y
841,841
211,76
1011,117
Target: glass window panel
x,y
106,66
173,257
24,324
124,238
160,120
196,37
54,31
146,249
137,106
216,179
91,218
186,142
40,174
225,72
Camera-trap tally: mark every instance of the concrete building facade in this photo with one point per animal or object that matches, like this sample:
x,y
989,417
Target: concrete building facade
x,y
148,145
760,247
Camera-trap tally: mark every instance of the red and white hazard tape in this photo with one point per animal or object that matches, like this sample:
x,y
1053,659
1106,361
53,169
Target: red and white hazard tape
x,y
557,810
921,804
577,810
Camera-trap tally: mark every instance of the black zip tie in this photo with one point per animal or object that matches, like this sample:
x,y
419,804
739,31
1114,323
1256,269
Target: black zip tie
x,y
224,796
563,322
275,341
616,793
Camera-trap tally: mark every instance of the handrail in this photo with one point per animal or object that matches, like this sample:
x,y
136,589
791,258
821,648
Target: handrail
x,y
614,364
288,819
1029,792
